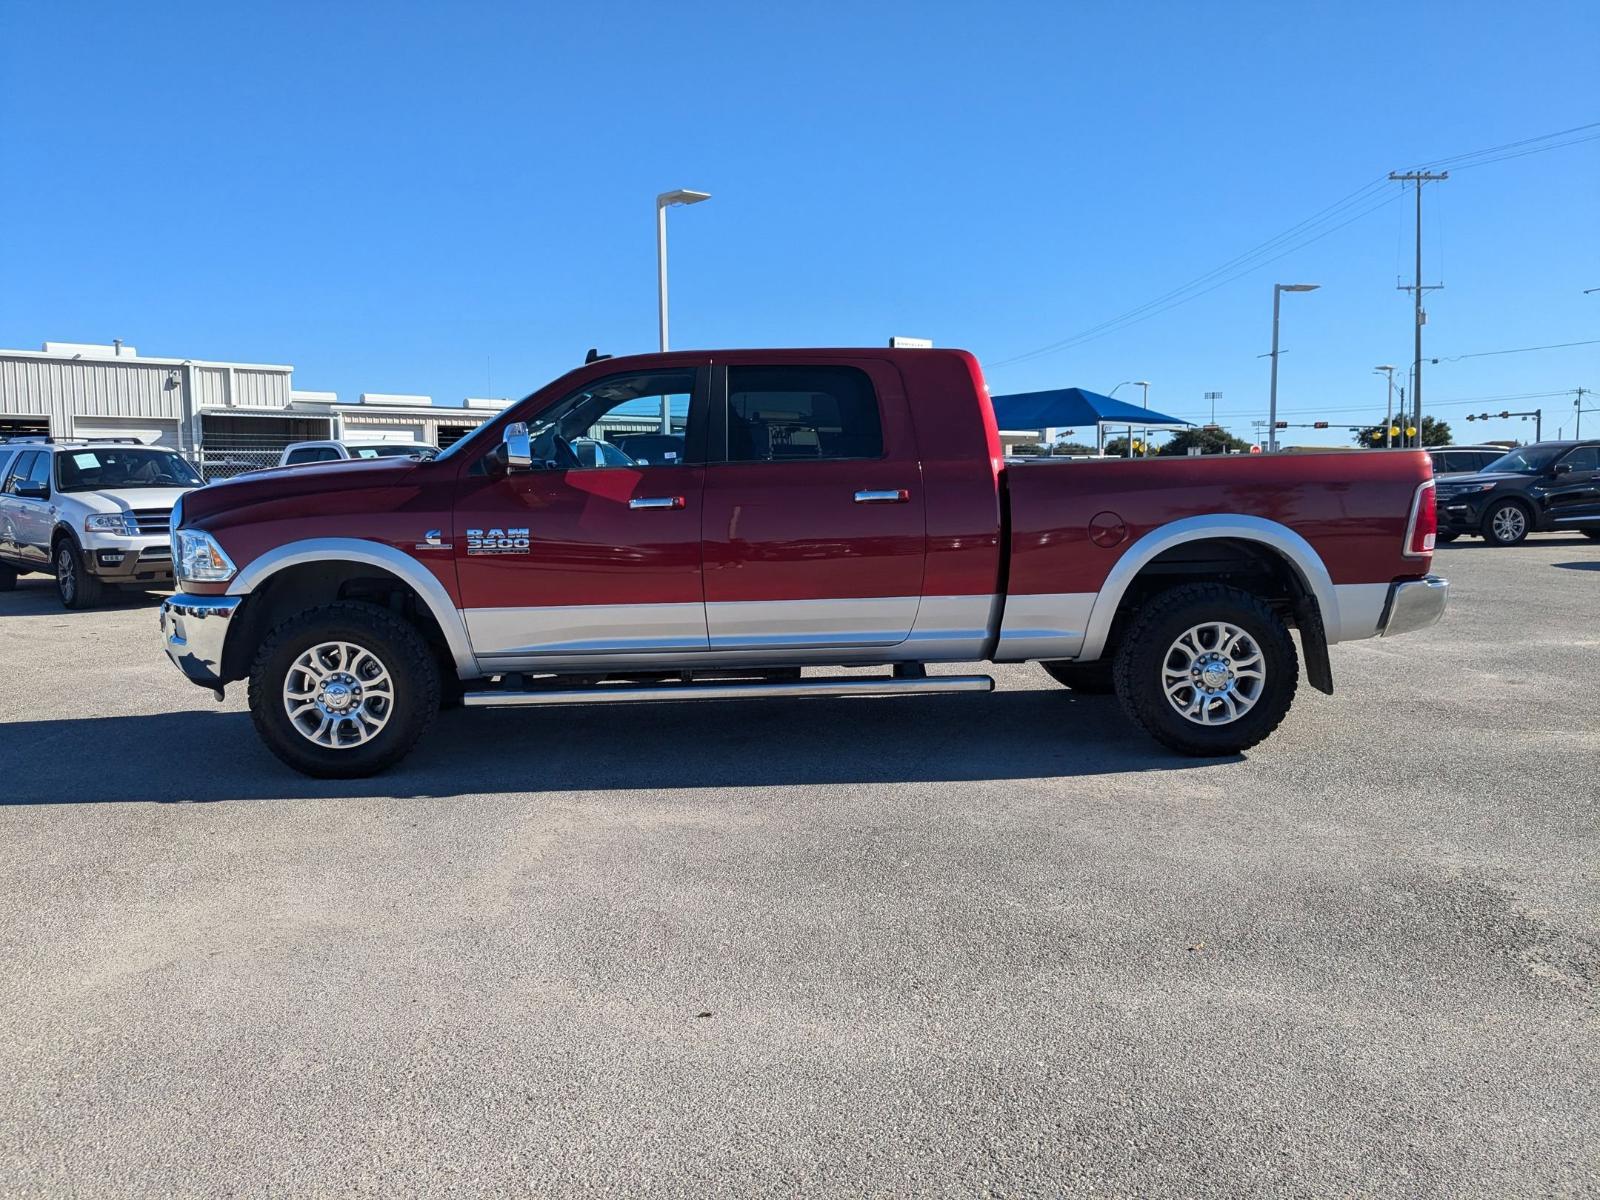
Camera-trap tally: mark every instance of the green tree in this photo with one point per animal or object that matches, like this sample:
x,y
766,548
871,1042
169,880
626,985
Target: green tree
x,y
1117,447
1434,433
1072,448
1207,441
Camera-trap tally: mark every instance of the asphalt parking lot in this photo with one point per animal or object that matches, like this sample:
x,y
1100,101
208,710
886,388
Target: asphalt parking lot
x,y
973,945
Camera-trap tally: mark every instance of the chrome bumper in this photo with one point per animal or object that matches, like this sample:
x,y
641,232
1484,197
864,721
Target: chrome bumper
x,y
194,629
1413,605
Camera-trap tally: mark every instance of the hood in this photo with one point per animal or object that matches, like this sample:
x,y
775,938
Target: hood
x,y
1456,478
115,500
285,483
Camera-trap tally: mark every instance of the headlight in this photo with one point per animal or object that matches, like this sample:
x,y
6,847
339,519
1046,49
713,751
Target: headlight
x,y
198,557
1472,489
109,523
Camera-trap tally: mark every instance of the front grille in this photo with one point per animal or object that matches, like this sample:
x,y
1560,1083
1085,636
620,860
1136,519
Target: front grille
x,y
152,520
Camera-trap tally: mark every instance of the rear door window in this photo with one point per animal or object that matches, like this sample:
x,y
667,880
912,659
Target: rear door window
x,y
1584,458
782,414
19,470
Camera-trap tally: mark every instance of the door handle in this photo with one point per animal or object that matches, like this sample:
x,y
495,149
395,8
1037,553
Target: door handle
x,y
883,496
656,502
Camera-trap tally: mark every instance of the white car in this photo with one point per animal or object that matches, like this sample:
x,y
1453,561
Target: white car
x,y
299,453
91,513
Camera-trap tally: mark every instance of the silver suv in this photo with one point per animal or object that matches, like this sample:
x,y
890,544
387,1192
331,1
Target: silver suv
x,y
92,513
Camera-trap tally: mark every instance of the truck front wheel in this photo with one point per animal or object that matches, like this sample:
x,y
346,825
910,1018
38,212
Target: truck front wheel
x,y
1207,669
344,690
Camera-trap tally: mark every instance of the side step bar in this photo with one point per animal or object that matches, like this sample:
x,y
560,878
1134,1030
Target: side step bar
x,y
633,694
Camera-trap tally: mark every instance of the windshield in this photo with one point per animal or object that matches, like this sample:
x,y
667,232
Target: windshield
x,y
104,467
1529,460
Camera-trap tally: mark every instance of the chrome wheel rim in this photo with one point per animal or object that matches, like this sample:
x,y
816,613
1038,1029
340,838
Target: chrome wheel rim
x,y
1509,523
338,695
1214,673
66,574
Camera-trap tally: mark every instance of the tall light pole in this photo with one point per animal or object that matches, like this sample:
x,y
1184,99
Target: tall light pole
x,y
1388,412
663,202
1272,405
1138,383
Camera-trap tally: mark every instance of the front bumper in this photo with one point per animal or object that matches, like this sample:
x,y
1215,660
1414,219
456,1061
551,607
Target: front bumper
x,y
1414,604
127,559
194,630
1462,514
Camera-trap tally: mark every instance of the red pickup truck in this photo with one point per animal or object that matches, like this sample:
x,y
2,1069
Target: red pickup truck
x,y
780,510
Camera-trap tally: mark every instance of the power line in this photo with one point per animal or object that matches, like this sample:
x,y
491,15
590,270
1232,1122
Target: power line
x,y
1519,350
1285,243
1177,297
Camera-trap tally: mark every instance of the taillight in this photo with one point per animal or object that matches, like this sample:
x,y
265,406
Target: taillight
x,y
1423,529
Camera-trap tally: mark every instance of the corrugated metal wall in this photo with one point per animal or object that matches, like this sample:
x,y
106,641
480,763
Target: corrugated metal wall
x,y
59,388
66,391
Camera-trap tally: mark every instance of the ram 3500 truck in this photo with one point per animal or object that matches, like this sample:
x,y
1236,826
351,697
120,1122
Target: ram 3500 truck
x,y
796,509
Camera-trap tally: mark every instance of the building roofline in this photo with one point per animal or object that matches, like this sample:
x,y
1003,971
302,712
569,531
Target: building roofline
x,y
132,360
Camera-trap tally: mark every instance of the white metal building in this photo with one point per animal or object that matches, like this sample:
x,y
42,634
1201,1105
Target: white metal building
x,y
226,417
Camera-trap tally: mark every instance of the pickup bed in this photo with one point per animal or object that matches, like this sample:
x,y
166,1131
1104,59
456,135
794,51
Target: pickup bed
x,y
796,509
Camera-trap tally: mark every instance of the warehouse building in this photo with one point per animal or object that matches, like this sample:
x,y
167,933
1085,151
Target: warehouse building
x,y
225,417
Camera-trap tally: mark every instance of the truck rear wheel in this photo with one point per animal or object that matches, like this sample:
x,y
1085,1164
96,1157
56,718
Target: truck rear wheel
x,y
1090,678
1207,669
344,690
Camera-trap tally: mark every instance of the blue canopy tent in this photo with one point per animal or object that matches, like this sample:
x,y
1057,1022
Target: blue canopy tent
x,y
1070,408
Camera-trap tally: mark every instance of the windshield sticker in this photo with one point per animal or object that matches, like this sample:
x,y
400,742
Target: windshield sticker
x,y
85,460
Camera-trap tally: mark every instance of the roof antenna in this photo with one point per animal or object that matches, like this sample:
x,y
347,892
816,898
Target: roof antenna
x,y
594,356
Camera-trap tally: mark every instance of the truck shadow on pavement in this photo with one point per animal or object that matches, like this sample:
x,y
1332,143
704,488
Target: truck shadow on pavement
x,y
205,756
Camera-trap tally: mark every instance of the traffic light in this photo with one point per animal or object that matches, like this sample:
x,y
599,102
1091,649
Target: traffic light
x,y
1280,424
1504,415
1319,424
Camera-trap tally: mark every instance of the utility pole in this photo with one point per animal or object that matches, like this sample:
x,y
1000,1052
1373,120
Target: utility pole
x,y
1577,405
1418,178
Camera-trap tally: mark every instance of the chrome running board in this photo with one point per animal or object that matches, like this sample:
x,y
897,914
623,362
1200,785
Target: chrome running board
x,y
603,693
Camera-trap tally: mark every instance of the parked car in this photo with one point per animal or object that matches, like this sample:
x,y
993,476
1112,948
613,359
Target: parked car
x,y
299,453
1543,487
653,447
597,452
839,508
1449,460
92,513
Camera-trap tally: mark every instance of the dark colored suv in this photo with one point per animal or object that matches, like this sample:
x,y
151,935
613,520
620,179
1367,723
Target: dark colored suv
x,y
1544,487
1450,459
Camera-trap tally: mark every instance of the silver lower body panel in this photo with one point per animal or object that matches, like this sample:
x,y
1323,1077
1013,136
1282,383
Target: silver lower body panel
x,y
639,693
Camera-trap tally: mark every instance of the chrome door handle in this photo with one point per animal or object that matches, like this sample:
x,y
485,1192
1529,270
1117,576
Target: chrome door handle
x,y
883,496
656,502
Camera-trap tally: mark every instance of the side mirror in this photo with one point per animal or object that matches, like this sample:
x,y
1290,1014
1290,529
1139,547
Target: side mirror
x,y
1563,469
33,491
516,450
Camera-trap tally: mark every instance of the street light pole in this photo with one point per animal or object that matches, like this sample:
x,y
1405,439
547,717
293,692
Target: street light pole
x,y
1388,412
1272,405
663,202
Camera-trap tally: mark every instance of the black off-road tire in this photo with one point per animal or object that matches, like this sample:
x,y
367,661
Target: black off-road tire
x,y
1495,539
1090,678
397,645
74,585
1143,652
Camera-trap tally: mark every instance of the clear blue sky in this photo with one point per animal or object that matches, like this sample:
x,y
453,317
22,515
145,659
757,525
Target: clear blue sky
x,y
458,199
